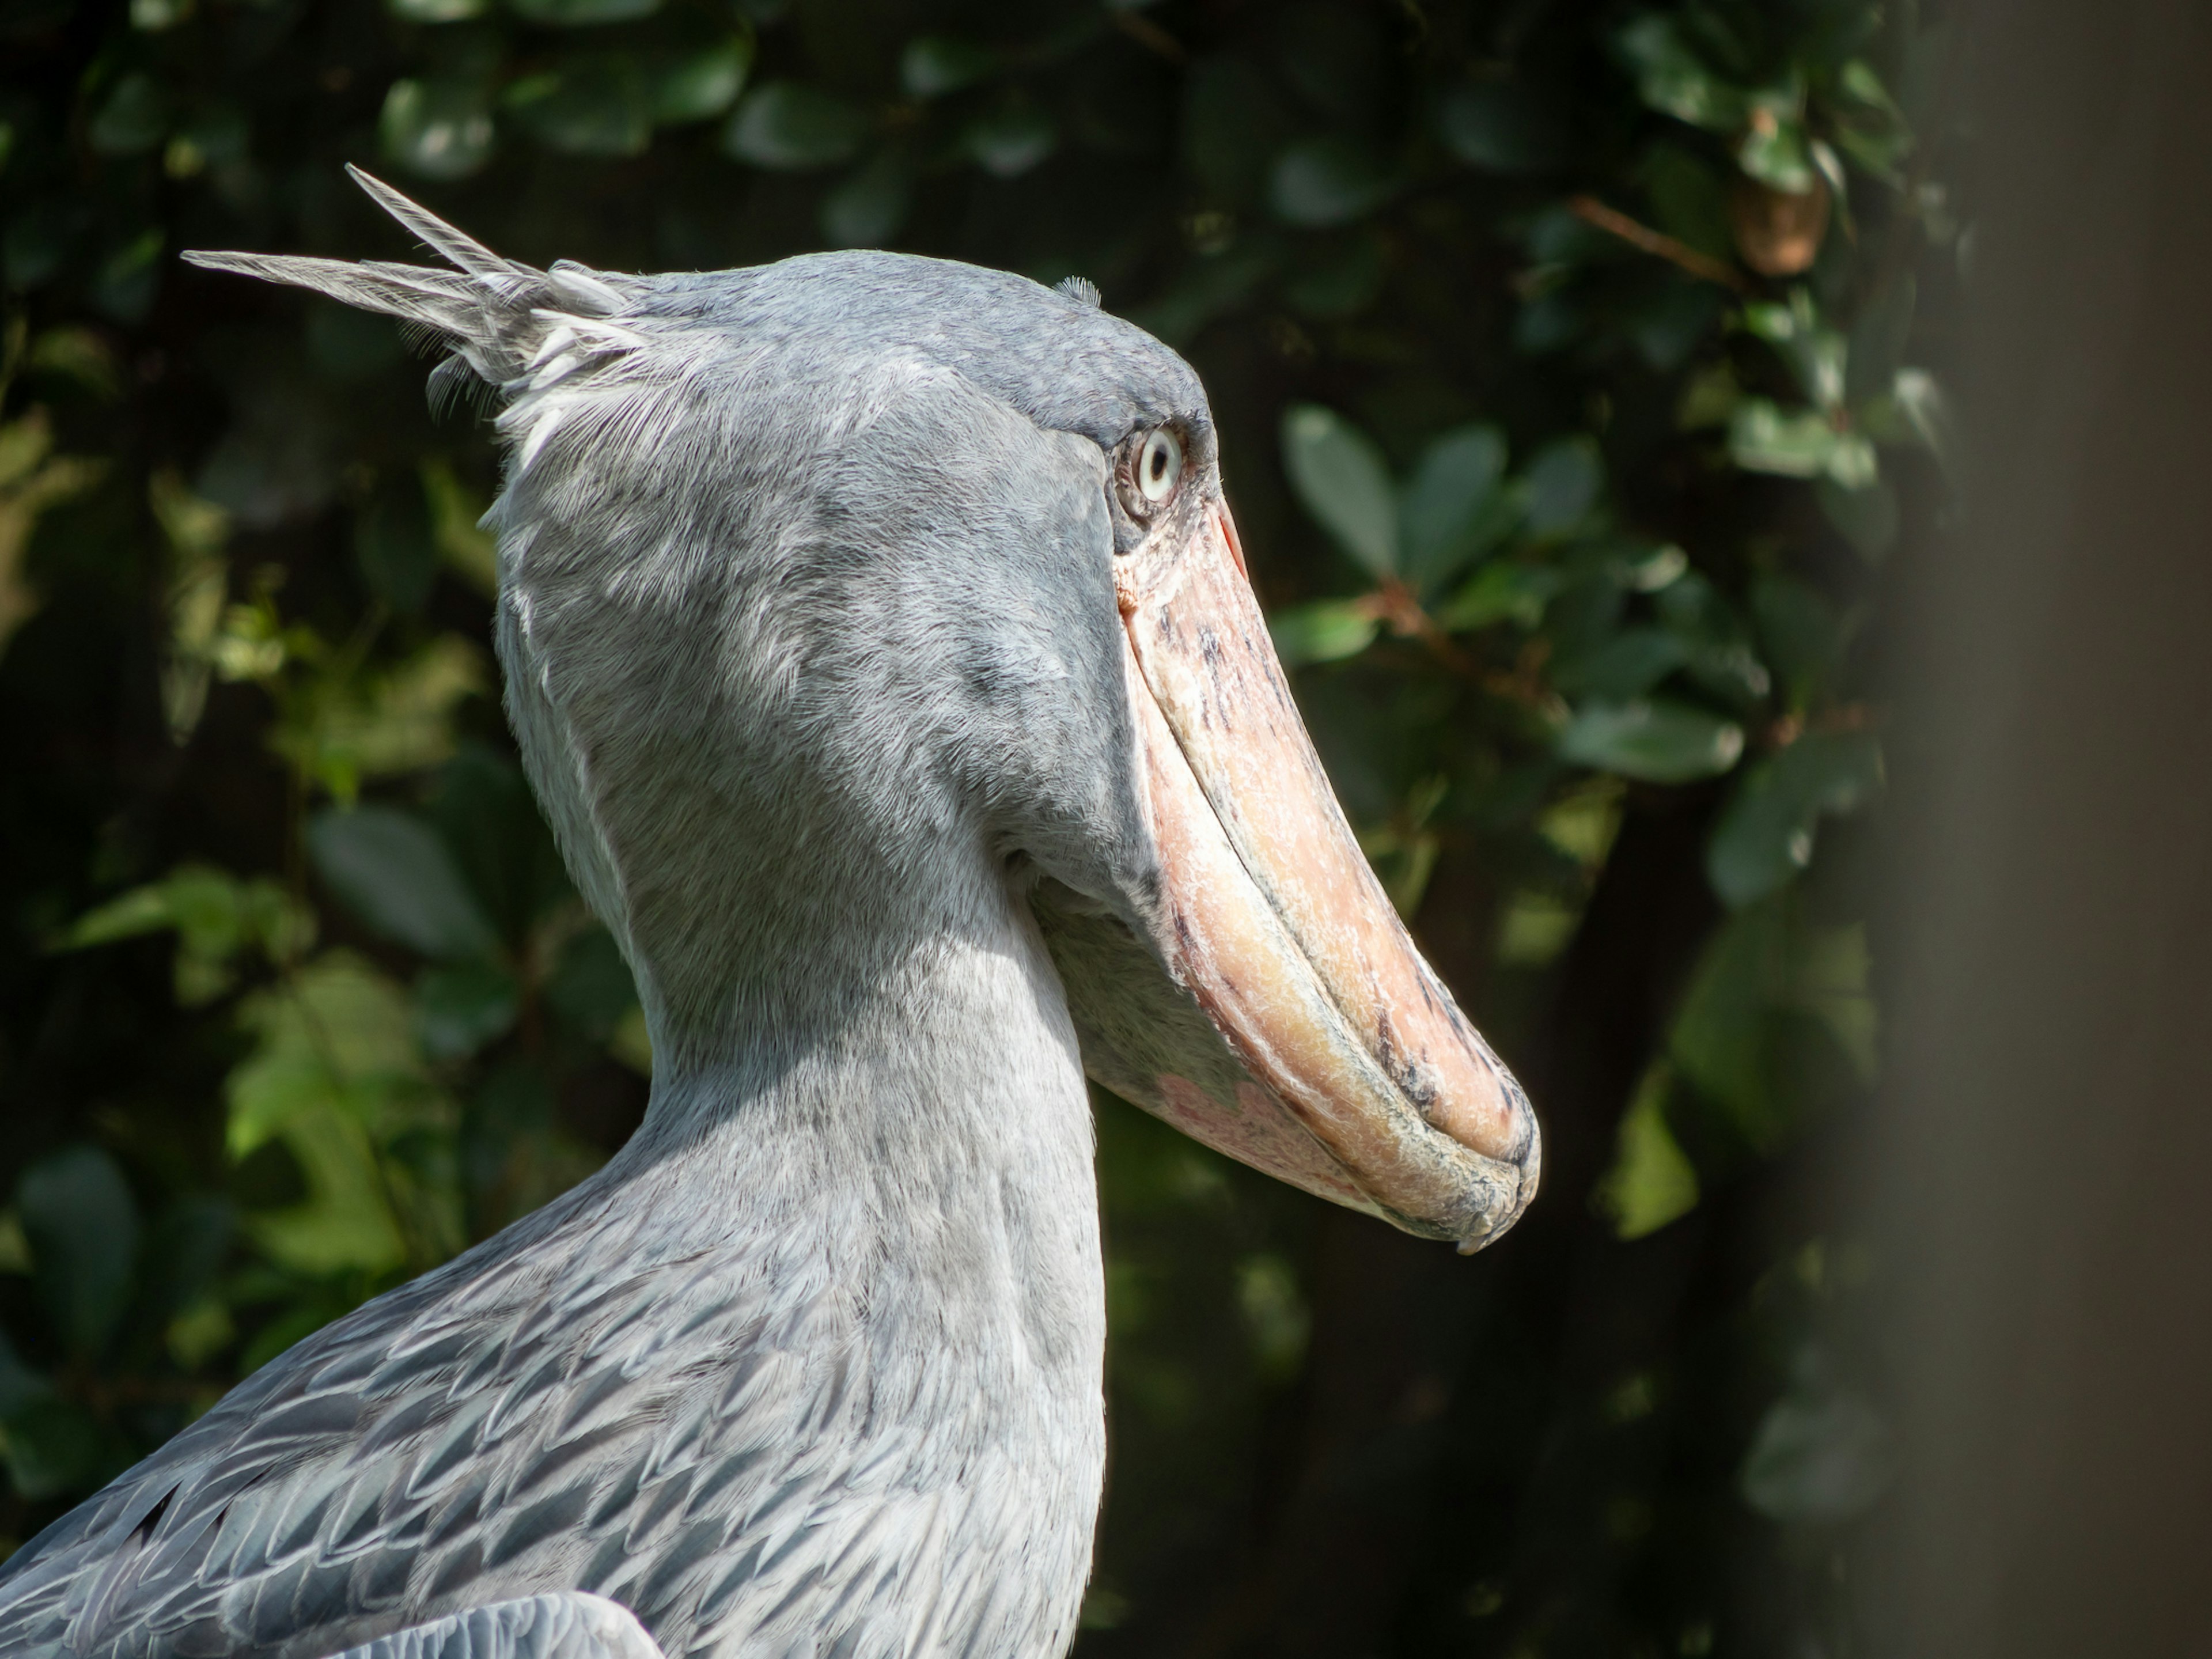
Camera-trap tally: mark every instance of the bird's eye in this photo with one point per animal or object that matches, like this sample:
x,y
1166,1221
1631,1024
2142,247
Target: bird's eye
x,y
1159,466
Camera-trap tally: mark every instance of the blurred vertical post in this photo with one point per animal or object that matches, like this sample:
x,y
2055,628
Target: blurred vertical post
x,y
2047,1146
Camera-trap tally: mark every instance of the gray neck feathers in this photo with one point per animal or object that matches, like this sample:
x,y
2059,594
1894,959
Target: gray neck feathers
x,y
867,1096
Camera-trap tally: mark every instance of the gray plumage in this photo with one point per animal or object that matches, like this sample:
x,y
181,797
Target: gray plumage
x,y
567,1625
812,615
808,629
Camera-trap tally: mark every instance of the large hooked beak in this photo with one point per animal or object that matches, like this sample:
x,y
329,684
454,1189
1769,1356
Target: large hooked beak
x,y
1360,1079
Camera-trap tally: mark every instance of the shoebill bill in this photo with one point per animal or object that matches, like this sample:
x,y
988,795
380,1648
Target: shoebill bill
x,y
879,645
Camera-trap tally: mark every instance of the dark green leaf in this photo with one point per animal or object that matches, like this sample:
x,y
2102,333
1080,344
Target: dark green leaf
x,y
489,821
787,125
1341,479
869,204
1671,77
132,119
1764,839
695,85
1233,124
1689,200
438,11
1879,337
934,65
1563,483
51,1448
1801,636
592,987
577,14
1456,507
1652,741
124,283
1721,658
186,1250
596,105
1324,182
1502,591
1502,127
1011,139
1343,283
392,544
1866,517
393,872
458,1009
83,1225
1818,1460
1623,668
436,129
19,1384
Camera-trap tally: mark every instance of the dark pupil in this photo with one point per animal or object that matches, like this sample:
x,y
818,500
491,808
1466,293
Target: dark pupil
x,y
1159,461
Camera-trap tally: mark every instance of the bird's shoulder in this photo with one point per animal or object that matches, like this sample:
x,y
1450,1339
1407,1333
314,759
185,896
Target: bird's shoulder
x,y
532,1414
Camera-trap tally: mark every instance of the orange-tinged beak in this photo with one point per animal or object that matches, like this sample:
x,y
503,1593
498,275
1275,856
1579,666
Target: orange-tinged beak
x,y
1362,1081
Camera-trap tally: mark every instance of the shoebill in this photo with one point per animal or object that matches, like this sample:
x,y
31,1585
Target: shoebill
x,y
878,642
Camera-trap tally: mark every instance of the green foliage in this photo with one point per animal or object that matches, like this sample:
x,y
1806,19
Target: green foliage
x,y
1571,370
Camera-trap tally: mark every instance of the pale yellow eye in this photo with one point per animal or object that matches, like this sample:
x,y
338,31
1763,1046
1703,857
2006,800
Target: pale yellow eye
x,y
1159,466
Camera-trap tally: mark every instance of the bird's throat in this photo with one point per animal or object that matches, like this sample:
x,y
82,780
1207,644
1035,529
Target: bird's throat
x,y
909,1178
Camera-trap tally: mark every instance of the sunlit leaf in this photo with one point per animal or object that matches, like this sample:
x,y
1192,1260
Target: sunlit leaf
x,y
1326,630
399,720
1341,479
83,1227
393,872
1651,1182
438,11
1774,150
1652,740
464,547
1801,443
335,1032
1533,927
346,1223
787,125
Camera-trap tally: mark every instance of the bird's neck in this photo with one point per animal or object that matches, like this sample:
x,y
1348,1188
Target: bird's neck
x,y
899,1193
917,1125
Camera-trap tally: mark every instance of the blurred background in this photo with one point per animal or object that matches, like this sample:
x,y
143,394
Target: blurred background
x,y
1581,369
